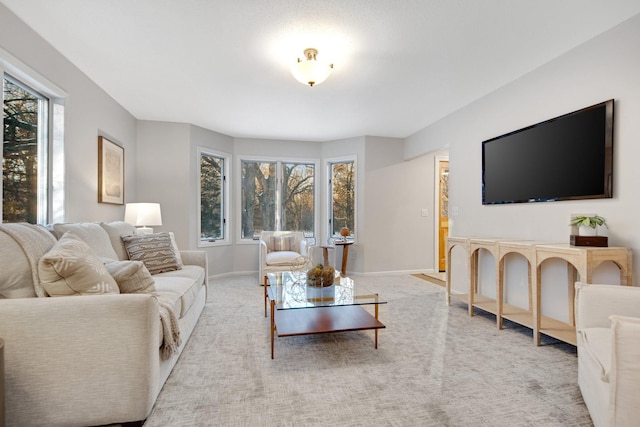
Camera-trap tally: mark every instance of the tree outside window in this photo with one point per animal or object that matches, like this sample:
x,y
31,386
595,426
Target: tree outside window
x,y
212,197
298,204
342,186
267,206
24,154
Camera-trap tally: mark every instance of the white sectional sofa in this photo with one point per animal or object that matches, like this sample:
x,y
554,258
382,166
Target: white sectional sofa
x,y
608,341
90,359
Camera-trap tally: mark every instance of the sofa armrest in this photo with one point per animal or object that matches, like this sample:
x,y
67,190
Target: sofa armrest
x,y
595,303
193,257
264,250
80,360
624,377
199,258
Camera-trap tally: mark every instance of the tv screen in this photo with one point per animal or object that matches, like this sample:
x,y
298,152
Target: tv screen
x,y
566,158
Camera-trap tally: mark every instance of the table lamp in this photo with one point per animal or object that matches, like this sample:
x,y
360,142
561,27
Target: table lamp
x,y
143,215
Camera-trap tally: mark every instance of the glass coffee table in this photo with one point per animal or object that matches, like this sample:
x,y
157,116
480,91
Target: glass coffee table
x,y
298,309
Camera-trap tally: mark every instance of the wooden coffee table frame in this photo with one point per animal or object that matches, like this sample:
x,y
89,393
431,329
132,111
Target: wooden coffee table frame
x,y
319,320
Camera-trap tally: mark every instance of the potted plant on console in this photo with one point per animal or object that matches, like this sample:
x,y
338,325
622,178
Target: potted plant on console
x,y
587,226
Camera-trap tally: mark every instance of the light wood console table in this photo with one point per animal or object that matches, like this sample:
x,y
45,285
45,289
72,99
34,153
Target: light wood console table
x,y
582,261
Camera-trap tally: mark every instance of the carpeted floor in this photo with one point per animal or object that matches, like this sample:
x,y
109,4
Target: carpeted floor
x,y
435,366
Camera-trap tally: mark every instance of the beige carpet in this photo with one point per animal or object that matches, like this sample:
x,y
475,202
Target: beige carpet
x,y
435,366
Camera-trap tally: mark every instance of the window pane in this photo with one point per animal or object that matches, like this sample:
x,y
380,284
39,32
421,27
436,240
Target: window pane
x,y
211,198
23,113
258,198
343,197
298,198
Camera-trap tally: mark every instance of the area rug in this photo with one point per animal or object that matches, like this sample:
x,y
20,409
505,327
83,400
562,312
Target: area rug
x,y
435,366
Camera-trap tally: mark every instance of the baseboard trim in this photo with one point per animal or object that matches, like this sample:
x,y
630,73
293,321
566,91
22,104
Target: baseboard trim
x,y
233,274
385,273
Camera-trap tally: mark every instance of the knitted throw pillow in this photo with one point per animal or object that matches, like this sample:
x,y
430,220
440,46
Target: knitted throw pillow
x,y
155,250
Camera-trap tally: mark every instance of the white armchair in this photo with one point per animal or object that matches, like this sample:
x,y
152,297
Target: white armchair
x,y
608,338
281,251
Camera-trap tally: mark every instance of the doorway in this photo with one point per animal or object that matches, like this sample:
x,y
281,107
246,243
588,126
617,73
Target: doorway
x,y
442,209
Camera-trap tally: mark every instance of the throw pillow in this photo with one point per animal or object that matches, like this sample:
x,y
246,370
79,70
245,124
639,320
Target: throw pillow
x,y
175,249
280,243
72,268
132,277
154,250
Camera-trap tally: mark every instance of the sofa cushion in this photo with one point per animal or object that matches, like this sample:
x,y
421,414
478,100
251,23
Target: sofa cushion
x,y
72,268
132,277
182,286
599,344
281,257
94,235
155,250
116,230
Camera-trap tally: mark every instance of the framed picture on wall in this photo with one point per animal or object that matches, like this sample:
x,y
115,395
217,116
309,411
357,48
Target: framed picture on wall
x,y
110,172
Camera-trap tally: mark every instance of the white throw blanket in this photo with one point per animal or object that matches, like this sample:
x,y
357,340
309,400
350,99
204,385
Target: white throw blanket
x,y
34,241
170,329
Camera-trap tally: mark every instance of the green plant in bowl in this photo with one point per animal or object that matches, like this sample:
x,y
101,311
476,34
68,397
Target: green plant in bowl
x,y
588,221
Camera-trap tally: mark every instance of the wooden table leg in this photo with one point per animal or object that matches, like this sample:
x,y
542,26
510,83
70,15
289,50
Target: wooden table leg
x,y
376,331
536,309
345,256
273,325
266,283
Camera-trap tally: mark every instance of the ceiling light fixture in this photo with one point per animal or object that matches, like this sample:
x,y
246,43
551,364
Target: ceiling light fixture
x,y
311,71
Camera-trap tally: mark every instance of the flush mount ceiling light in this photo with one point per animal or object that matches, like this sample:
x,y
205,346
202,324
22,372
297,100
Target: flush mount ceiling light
x,y
311,71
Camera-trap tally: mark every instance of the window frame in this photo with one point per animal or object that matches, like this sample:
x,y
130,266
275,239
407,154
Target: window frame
x,y
329,199
226,172
279,162
53,129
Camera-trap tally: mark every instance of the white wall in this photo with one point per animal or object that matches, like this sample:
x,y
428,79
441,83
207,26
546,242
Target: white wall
x,y
606,67
89,112
397,238
167,174
164,175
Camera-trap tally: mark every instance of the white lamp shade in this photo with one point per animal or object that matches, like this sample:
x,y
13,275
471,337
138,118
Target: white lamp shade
x,y
143,214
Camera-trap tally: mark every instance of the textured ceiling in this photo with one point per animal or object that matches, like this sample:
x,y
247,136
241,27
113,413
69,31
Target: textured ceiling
x,y
399,65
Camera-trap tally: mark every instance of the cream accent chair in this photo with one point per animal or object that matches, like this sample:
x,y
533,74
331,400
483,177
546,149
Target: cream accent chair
x,y
281,251
608,338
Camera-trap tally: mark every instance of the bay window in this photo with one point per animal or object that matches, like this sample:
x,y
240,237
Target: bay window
x,y
277,195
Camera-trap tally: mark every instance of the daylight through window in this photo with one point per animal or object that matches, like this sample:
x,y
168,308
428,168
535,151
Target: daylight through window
x,y
267,206
24,154
212,198
342,185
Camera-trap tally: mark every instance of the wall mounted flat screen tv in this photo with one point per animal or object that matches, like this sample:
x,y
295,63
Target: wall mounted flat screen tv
x,y
566,158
